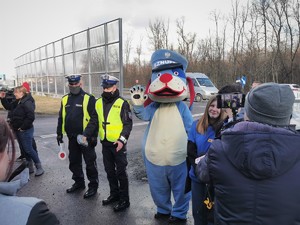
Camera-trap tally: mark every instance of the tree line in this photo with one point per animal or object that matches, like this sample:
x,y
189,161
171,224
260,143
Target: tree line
x,y
259,39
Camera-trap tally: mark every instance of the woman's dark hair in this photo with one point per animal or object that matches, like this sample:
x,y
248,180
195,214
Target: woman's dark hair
x,y
7,142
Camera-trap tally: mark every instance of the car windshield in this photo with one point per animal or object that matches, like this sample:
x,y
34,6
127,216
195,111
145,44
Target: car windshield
x,y
205,82
295,86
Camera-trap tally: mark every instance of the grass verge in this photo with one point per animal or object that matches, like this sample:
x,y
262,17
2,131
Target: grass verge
x,y
45,105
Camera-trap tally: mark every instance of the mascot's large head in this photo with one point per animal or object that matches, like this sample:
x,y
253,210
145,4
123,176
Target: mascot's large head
x,y
168,80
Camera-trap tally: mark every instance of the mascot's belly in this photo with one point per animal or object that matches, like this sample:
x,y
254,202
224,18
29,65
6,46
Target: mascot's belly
x,y
167,139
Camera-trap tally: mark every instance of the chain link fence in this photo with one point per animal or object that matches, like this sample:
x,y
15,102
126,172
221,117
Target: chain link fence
x,y
91,53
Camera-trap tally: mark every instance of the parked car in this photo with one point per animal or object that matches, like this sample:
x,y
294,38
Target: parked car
x,y
296,114
204,87
296,89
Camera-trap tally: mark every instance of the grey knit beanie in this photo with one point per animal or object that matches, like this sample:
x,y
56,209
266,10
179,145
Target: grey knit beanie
x,y
270,103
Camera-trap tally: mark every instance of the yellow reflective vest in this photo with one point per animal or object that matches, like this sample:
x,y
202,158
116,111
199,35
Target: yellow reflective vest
x,y
113,126
86,115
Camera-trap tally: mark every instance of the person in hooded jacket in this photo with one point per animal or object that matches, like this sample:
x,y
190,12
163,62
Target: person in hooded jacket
x,y
14,209
255,165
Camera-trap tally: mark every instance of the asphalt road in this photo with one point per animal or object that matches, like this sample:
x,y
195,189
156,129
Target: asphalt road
x,y
72,209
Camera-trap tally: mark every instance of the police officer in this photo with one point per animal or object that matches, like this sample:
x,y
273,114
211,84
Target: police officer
x,y
113,115
74,115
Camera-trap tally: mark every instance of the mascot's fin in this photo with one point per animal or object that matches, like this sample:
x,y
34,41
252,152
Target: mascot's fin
x,y
192,91
148,101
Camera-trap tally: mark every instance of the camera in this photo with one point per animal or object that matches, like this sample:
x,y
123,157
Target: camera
x,y
231,100
9,92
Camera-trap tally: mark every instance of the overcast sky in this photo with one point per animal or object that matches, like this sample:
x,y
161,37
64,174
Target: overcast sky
x,y
29,24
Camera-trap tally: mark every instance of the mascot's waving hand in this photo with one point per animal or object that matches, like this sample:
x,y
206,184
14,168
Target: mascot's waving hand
x,y
165,140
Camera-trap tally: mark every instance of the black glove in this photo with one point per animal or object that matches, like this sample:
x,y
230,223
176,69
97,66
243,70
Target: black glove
x,y
92,141
59,139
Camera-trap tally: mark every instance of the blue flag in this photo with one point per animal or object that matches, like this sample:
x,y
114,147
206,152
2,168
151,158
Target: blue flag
x,y
243,80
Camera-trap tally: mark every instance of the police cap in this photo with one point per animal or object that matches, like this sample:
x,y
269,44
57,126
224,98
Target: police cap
x,y
108,81
163,59
73,78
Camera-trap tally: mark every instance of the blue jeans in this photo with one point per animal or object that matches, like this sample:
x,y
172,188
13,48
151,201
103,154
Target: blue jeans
x,y
24,138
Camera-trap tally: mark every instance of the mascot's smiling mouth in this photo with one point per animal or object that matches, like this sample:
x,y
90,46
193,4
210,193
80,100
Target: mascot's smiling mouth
x,y
166,91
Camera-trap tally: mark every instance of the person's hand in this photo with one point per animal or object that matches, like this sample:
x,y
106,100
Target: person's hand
x,y
119,145
92,141
59,139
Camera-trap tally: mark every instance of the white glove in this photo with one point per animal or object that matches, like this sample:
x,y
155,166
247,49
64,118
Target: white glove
x,y
137,94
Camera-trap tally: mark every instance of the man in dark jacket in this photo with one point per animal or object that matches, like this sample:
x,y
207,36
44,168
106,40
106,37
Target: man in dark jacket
x,y
74,114
256,164
113,114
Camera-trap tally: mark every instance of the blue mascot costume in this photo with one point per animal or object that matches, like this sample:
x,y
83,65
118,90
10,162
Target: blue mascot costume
x,y
165,139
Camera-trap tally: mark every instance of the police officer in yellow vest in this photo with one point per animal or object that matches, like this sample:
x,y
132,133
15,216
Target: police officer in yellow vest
x,y
74,115
115,124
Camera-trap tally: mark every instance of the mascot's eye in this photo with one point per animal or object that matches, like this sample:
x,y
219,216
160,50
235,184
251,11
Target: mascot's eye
x,y
176,73
159,74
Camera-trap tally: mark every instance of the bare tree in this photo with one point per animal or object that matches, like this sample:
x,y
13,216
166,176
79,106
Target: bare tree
x,y
238,20
260,7
139,49
186,41
127,47
158,34
296,16
292,16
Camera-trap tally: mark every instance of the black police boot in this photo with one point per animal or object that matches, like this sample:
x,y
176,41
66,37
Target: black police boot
x,y
110,199
122,205
75,187
90,192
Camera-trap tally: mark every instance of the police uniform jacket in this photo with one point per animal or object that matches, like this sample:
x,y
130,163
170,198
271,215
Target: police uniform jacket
x,y
107,105
74,114
255,170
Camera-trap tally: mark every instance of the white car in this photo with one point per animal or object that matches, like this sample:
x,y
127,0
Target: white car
x,y
296,115
296,89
